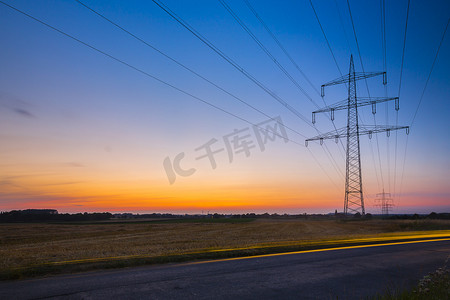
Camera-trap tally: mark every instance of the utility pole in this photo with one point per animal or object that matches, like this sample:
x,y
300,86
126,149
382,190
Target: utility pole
x,y
385,202
354,199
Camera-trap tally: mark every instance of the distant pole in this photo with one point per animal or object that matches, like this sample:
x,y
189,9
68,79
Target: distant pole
x,y
385,202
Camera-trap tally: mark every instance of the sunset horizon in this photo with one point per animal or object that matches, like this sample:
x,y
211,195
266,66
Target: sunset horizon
x,y
129,111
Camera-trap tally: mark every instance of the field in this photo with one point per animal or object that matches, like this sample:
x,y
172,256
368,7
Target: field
x,y
36,249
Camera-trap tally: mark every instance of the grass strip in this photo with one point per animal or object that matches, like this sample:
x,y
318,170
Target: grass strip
x,y
434,286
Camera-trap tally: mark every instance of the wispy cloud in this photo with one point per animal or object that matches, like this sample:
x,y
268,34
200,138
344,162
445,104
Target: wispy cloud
x,y
16,105
23,112
75,164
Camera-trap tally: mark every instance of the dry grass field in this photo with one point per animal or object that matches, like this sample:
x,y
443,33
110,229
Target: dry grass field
x,y
27,245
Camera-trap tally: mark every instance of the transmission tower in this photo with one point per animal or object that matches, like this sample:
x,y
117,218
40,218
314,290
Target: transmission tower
x,y
385,201
354,200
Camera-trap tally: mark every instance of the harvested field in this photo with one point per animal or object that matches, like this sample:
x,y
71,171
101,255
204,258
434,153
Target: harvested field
x,y
25,245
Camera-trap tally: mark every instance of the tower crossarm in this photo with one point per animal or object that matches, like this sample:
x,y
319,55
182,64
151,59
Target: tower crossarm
x,y
363,130
371,129
361,101
384,195
338,133
353,76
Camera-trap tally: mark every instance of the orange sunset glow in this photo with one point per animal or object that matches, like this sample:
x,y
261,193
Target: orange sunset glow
x,y
93,119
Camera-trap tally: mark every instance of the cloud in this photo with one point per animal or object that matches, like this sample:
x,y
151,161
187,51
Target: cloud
x,y
10,181
63,183
16,105
23,112
7,182
75,164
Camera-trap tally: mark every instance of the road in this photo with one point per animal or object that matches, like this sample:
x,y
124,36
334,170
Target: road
x,y
346,273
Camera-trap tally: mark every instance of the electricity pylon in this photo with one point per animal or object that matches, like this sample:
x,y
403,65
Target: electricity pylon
x,y
385,202
354,199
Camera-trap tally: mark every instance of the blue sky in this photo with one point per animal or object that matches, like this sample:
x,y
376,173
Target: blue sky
x,y
74,118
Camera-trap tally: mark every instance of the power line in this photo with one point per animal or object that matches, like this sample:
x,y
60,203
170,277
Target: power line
x,y
281,46
140,70
399,90
334,58
404,164
374,164
342,25
230,61
403,51
153,77
326,39
197,74
292,61
383,32
431,70
421,97
384,55
321,167
357,45
295,65
367,85
329,46
183,23
265,50
183,66
379,155
200,76
269,54
337,65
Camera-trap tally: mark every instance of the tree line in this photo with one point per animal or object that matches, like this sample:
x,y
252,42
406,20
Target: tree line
x,y
50,215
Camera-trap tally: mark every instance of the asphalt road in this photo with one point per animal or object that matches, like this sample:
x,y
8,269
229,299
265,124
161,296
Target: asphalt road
x,y
347,274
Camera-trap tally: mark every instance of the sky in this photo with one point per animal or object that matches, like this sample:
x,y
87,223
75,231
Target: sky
x,y
93,118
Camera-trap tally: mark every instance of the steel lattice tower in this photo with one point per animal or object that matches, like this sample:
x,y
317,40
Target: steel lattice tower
x,y
385,202
354,198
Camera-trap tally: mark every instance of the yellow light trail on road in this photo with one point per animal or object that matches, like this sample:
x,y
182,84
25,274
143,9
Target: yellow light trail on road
x,y
320,250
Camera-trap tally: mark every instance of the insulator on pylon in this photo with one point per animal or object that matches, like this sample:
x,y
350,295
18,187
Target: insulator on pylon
x,y
332,114
397,104
322,91
306,143
374,107
314,118
388,133
370,135
407,130
321,141
336,138
384,78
